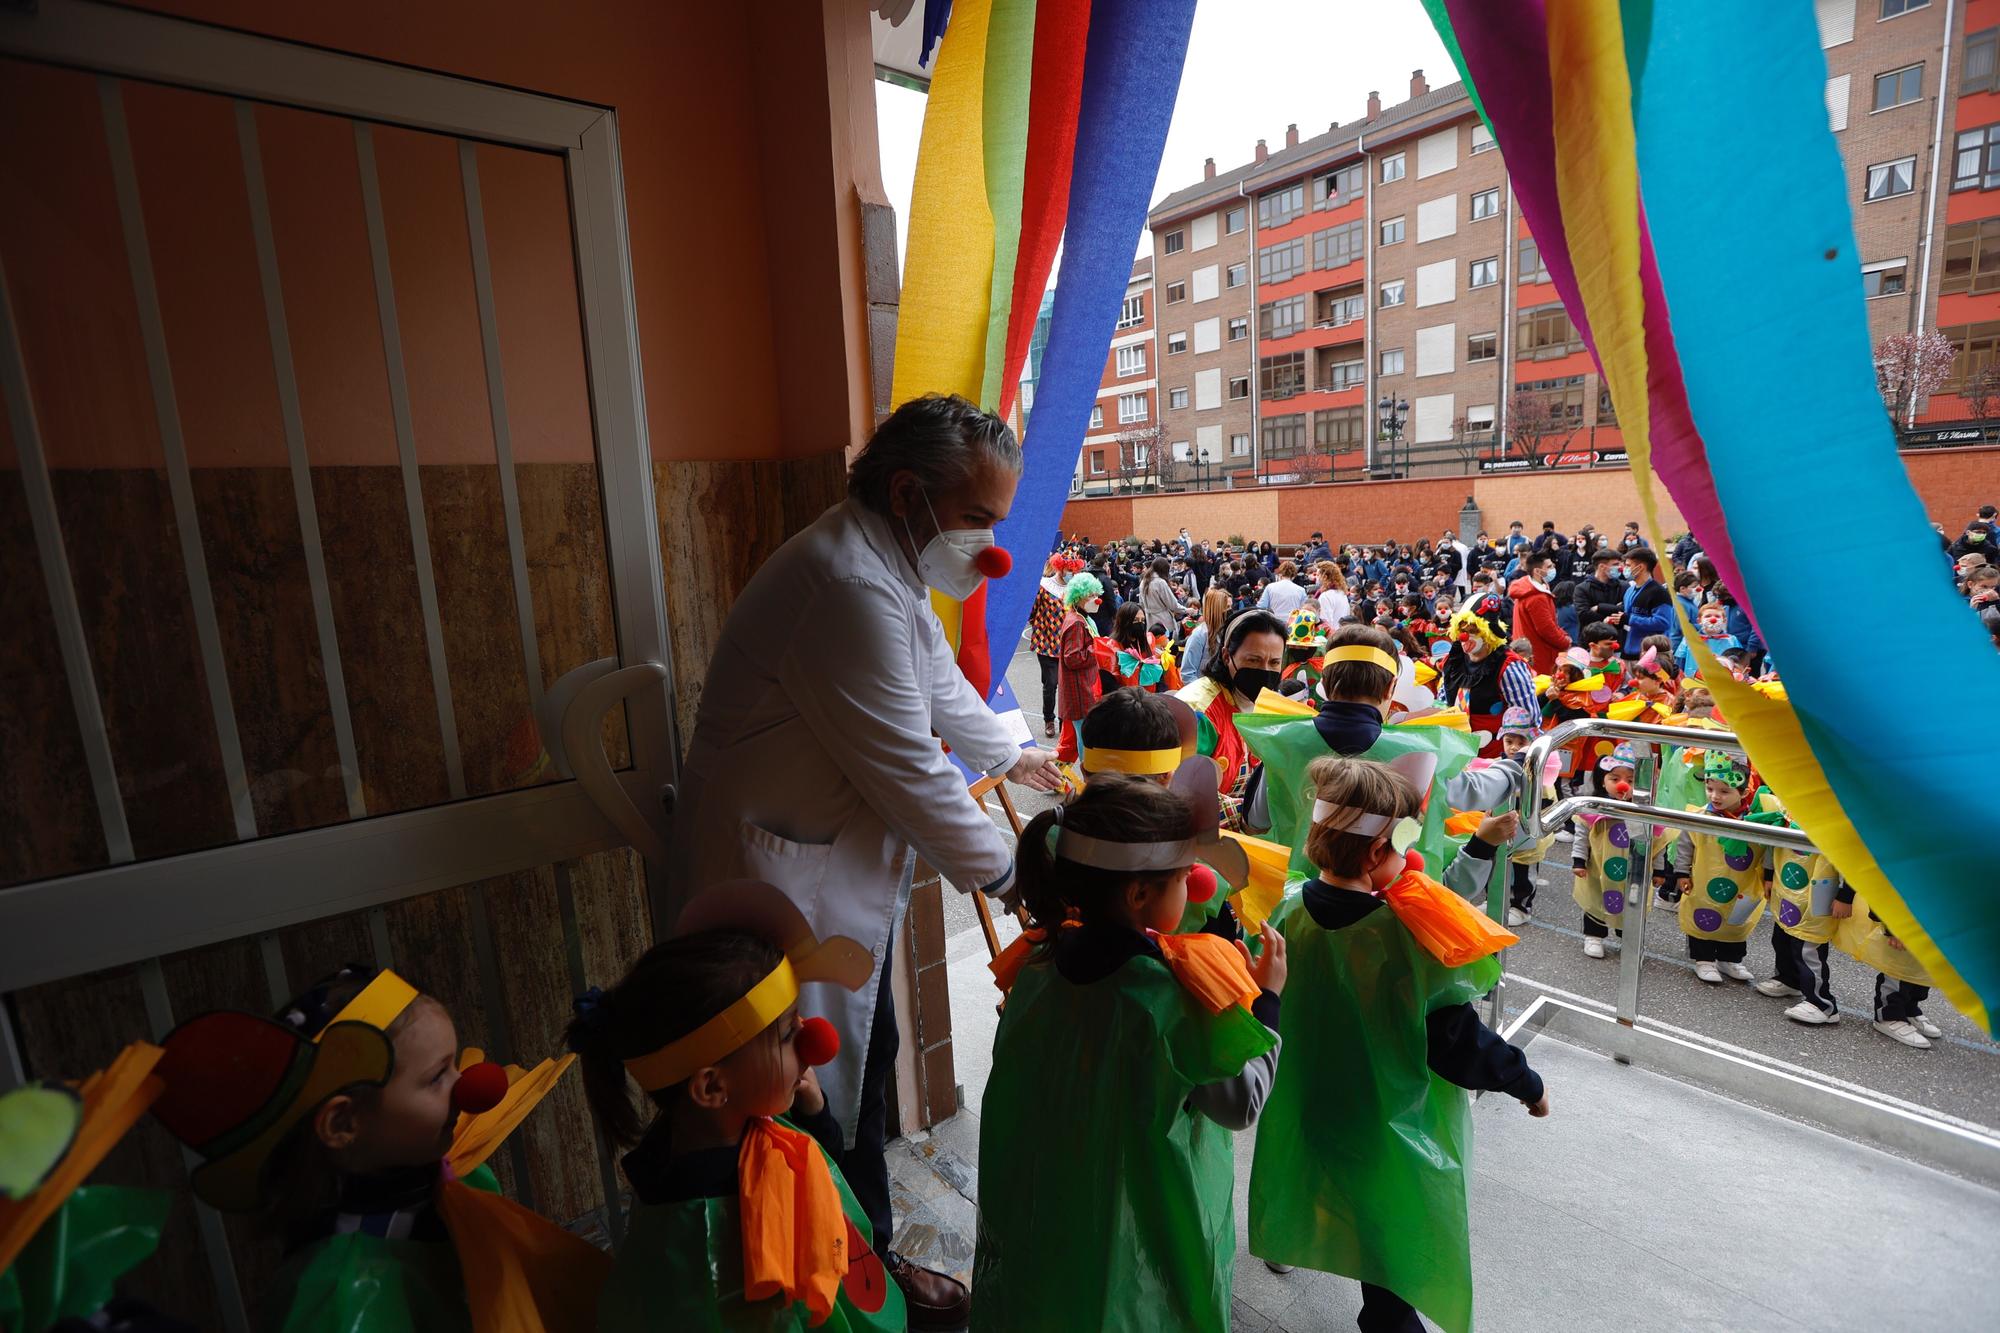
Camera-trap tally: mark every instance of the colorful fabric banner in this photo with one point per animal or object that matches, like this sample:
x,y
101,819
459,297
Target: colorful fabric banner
x,y
1609,114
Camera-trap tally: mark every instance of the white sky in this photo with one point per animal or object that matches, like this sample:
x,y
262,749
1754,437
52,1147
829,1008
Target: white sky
x,y
1253,67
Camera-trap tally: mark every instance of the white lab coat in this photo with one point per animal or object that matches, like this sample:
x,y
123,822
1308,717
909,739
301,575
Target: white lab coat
x,y
813,763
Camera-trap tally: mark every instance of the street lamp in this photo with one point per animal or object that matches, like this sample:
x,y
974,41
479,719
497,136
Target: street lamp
x,y
1391,413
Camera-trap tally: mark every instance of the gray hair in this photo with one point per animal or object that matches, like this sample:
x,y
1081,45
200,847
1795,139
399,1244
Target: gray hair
x,y
942,438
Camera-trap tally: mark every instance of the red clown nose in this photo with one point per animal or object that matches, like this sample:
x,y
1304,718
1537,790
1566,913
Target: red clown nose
x,y
479,1088
993,562
1413,860
1201,883
819,1041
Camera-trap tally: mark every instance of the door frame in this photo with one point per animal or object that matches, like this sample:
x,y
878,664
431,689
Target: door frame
x,y
143,909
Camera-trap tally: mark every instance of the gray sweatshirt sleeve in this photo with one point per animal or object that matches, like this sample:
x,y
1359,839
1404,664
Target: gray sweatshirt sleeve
x,y
1490,788
1470,872
1683,852
1234,1103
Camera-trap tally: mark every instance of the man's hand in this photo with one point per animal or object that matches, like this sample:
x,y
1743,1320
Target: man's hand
x,y
1497,829
1036,770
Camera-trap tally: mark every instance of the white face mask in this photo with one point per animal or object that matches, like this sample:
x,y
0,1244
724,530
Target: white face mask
x,y
945,563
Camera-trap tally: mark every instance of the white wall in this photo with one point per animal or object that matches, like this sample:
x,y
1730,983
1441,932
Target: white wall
x,y
1437,152
1437,283
1208,335
1201,234
1207,389
1431,419
1437,218
1436,349
1206,283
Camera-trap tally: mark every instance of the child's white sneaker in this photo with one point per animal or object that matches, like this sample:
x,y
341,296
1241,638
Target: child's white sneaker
x,y
1516,917
1564,835
1593,947
1775,988
1805,1011
1277,1268
1706,971
1925,1026
1904,1032
1735,971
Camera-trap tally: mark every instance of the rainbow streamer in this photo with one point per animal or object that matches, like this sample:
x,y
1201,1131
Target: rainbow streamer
x,y
1610,113
1044,129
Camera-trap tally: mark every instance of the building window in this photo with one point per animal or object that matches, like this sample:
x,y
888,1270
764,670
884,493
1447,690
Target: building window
x,y
1338,245
1886,180
1238,274
1097,418
1546,333
1281,319
1131,360
1977,345
1283,261
1340,308
1976,164
1239,446
1607,412
1285,437
1176,293
1483,272
1134,311
1131,406
1282,376
1340,187
1563,396
1338,429
1177,399
1392,231
1176,242
1176,343
1482,346
1485,204
1281,206
1891,8
1888,278
1972,257
1096,462
1239,387
1392,293
1392,361
1479,420
1982,60
1392,168
1482,138
1899,87
1532,268
1239,328
1232,221
1344,375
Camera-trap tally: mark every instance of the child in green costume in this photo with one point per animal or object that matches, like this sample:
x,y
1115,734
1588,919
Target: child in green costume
x,y
1361,1154
1124,1059
742,1220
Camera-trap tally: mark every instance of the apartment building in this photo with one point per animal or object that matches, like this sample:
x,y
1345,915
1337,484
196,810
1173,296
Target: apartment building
x,y
1122,447
1370,300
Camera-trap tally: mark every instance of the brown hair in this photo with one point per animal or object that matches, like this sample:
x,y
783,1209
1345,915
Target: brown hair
x,y
1359,682
1115,807
1286,569
1329,571
1215,611
1364,785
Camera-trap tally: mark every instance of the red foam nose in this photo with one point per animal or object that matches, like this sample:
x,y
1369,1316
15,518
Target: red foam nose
x,y
479,1088
1413,860
819,1041
993,562
1201,884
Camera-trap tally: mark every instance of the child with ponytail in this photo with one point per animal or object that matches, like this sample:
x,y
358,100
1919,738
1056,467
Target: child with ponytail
x,y
741,1218
1125,1057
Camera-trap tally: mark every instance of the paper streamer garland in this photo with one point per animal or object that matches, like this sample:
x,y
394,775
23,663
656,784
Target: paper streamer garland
x,y
1609,114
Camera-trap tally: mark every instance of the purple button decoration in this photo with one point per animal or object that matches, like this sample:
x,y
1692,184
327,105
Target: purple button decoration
x,y
1789,914
1738,860
1614,902
1620,836
1722,889
1707,919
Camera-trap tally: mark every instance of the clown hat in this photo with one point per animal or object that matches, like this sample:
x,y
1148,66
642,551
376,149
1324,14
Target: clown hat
x,y
760,909
236,1084
1622,756
1718,766
1517,721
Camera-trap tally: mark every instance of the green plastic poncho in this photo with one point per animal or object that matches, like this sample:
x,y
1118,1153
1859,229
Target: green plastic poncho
x,y
1104,1201
72,1265
681,1268
1363,1152
1288,743
356,1283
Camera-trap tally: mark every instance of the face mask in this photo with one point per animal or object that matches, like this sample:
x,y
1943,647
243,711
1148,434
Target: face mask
x,y
1253,681
946,562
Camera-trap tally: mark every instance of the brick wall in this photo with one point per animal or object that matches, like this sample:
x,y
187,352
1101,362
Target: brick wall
x,y
1954,482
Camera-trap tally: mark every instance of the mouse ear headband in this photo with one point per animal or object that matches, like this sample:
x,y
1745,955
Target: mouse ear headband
x,y
1403,832
1194,782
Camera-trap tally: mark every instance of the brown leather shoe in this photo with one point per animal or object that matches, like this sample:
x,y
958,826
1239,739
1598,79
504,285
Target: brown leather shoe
x,y
934,1300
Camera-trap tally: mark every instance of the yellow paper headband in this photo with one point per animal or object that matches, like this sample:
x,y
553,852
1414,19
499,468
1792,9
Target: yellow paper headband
x,y
1140,763
726,1033
378,1004
1361,652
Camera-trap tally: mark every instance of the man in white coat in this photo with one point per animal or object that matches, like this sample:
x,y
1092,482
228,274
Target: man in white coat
x,y
814,764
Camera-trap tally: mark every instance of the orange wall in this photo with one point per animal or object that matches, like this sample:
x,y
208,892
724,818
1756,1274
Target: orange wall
x,y
748,139
1951,482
